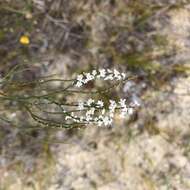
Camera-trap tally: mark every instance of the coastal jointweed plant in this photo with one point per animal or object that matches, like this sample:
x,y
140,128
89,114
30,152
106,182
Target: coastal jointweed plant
x,y
69,104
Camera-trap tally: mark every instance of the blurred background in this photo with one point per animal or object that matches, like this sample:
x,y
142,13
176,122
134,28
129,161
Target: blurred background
x,y
149,39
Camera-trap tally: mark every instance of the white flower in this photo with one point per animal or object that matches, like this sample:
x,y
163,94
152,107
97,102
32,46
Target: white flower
x,y
91,111
89,114
123,75
102,73
107,121
67,117
88,117
100,103
109,71
80,105
90,101
100,122
117,74
94,72
109,77
80,78
112,106
118,77
89,77
122,103
78,84
126,111
76,119
105,74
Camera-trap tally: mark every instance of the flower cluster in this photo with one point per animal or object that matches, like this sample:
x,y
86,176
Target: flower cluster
x,y
105,74
89,103
96,113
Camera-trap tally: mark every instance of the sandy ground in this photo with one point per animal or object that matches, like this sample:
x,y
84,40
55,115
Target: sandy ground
x,y
123,157
151,153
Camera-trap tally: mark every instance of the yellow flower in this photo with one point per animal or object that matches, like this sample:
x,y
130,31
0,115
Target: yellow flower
x,y
24,40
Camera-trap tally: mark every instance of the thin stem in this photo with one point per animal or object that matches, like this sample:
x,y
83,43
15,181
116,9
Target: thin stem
x,y
51,123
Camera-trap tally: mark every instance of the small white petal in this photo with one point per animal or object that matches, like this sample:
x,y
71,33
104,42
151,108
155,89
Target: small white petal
x,y
94,72
90,101
78,84
100,103
122,102
123,75
80,105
